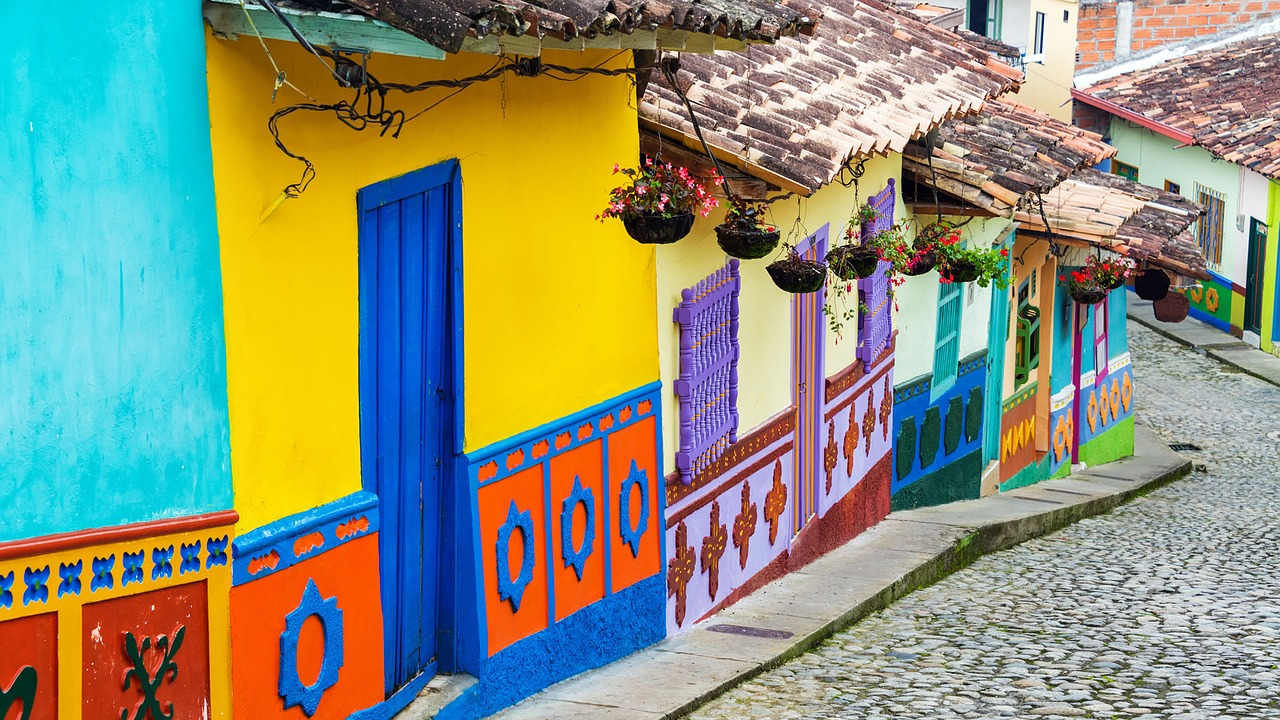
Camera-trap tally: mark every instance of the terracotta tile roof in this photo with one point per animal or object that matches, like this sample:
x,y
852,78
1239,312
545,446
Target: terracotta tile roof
x,y
1137,221
991,45
448,24
996,159
1225,98
869,81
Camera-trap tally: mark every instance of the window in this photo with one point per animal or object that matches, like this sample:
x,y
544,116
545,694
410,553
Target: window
x,y
1124,170
1173,187
1026,338
1209,226
1100,342
708,385
1037,46
946,353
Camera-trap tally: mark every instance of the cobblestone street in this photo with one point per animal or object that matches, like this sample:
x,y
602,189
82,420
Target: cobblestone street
x,y
1168,607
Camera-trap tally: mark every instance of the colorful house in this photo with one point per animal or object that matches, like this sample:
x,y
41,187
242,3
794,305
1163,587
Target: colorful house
x,y
805,461
1020,176
1188,122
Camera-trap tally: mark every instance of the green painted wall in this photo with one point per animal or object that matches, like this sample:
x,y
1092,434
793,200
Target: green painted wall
x,y
960,480
1111,445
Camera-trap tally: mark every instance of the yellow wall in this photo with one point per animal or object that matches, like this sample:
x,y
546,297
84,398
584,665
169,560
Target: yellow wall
x,y
1048,82
558,308
764,334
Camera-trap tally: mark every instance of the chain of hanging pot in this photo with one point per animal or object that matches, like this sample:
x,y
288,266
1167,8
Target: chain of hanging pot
x,y
669,67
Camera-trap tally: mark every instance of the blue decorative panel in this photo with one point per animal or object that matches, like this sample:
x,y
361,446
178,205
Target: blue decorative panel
x,y
509,588
292,691
955,436
633,529
577,557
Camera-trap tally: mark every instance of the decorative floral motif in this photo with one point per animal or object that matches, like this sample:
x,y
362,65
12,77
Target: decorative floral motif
x,y
831,455
1115,398
37,587
190,558
70,574
149,684
713,546
1104,406
102,578
327,612
6,591
869,421
510,589
775,502
162,558
851,440
577,558
133,568
1091,411
680,571
744,526
217,551
631,534
886,410
1126,392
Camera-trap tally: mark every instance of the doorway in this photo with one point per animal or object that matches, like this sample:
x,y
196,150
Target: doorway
x,y
1253,276
807,345
409,230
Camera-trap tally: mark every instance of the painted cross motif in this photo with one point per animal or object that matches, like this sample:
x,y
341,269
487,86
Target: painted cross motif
x,y
775,503
886,409
831,455
37,585
217,548
744,526
163,559
190,558
850,441
869,422
713,546
149,684
6,592
70,574
132,572
102,578
21,690
680,571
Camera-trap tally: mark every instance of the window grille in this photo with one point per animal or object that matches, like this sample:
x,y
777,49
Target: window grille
x,y
1210,225
875,323
708,385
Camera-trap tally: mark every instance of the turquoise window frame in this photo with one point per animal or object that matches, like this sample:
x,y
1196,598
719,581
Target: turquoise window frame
x,y
946,346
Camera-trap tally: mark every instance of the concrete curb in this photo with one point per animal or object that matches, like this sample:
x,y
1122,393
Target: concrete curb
x,y
906,551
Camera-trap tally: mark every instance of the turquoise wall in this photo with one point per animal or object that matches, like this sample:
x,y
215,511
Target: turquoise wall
x,y
113,405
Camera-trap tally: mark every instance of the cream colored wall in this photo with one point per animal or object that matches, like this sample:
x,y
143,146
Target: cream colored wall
x,y
1048,82
916,318
764,331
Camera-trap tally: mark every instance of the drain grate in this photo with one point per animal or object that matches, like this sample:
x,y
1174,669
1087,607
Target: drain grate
x,y
750,631
1184,447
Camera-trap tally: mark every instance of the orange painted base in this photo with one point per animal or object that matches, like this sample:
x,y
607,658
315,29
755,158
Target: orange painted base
x,y
258,609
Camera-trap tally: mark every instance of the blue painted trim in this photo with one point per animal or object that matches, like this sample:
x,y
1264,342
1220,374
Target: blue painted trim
x,y
581,417
972,362
399,700
913,388
281,534
1208,319
606,482
1221,280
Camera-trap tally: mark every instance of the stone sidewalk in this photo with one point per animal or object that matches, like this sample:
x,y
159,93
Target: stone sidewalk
x,y
907,551
1208,340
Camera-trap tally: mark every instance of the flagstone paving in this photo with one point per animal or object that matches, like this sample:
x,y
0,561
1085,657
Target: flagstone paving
x,y
1166,608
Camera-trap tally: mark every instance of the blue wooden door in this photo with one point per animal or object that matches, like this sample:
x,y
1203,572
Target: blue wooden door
x,y
408,226
807,338
997,337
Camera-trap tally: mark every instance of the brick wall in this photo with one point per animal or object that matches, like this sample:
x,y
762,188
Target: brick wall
x,y
1157,22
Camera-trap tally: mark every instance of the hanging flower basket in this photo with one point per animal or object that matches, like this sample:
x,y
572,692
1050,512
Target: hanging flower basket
x,y
960,271
851,262
1152,284
746,240
796,275
1173,308
1088,295
1116,284
656,229
922,262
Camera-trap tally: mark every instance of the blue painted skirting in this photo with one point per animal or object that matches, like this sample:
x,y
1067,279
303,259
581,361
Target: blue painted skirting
x,y
281,534
1208,319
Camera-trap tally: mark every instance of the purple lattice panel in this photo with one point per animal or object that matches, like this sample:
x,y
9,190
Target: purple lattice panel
x,y
876,322
708,383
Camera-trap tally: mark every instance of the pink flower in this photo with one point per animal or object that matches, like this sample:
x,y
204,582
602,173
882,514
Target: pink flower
x,y
616,169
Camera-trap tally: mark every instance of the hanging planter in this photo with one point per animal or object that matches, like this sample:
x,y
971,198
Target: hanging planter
x,y
1087,294
657,207
742,235
1173,308
921,262
852,262
1152,284
796,275
960,271
657,229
